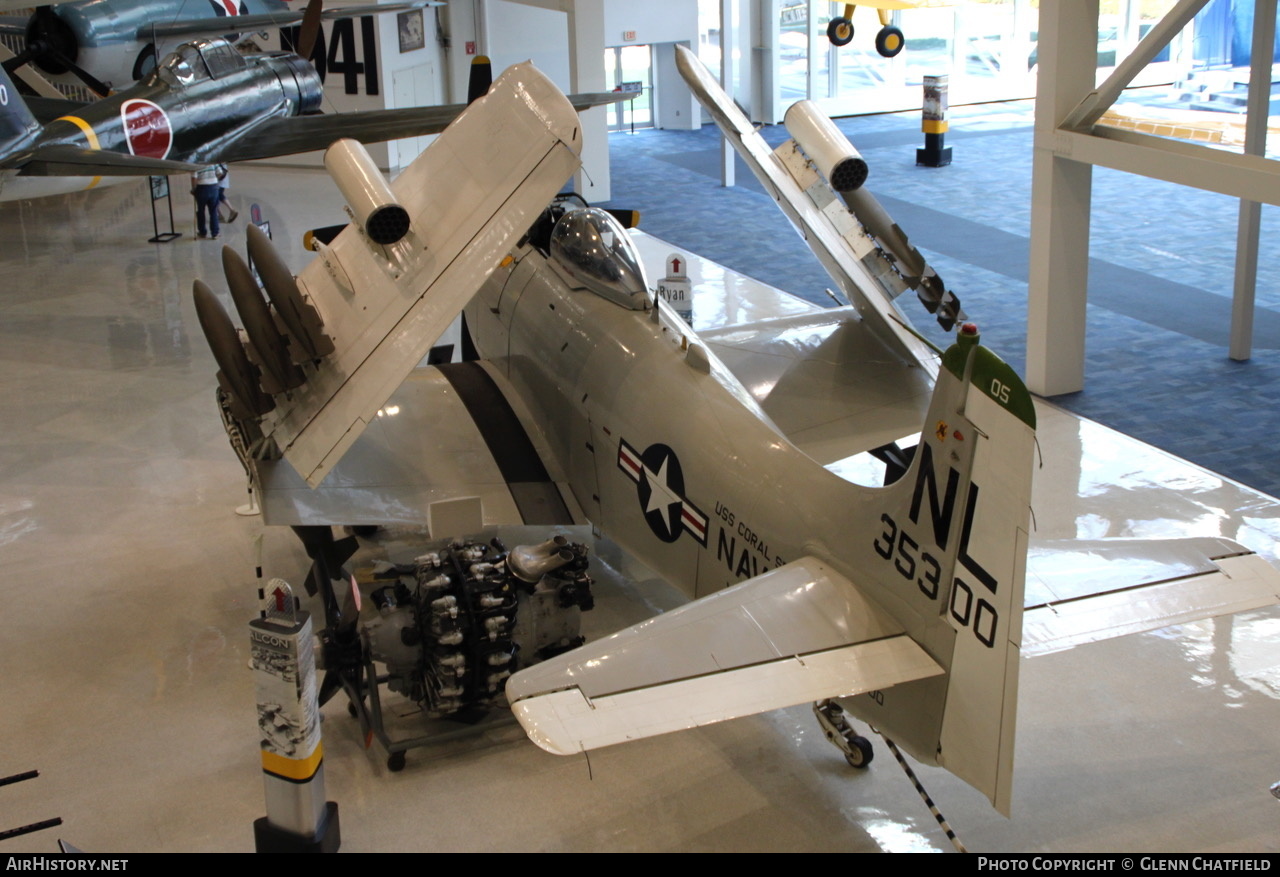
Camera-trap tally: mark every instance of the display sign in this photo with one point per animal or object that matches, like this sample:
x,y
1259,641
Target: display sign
x,y
674,288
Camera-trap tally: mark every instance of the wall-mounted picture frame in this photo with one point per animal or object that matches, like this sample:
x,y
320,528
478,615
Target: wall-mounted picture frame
x,y
409,27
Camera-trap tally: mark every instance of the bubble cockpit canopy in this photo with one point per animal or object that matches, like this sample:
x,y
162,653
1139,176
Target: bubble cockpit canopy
x,y
593,251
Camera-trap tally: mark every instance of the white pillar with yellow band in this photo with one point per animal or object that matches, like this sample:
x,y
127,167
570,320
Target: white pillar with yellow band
x,y
283,657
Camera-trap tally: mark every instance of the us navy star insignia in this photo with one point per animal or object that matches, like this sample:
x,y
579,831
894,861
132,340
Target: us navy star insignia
x,y
660,489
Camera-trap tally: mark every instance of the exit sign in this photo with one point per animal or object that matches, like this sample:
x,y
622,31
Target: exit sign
x,y
628,36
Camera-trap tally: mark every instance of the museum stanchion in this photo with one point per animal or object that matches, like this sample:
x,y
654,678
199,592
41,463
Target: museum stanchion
x,y
299,819
934,124
160,190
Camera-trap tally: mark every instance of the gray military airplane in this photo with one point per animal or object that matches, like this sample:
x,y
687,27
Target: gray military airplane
x,y
106,44
582,397
205,103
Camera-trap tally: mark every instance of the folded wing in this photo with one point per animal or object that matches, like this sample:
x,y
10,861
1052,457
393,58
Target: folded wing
x,y
469,197
453,448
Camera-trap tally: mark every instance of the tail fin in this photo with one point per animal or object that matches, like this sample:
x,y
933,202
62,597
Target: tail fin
x,y
953,541
18,126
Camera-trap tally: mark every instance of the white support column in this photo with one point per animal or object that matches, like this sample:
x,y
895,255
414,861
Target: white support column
x,y
587,74
460,26
678,109
767,63
1255,141
1061,193
1245,289
728,43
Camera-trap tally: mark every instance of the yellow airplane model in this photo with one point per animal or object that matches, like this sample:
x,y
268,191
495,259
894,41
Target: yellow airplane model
x,y
889,39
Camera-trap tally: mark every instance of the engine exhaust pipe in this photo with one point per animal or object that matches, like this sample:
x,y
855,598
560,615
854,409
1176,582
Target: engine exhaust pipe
x,y
530,563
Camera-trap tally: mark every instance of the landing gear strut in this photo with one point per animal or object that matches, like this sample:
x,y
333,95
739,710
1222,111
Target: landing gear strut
x,y
857,750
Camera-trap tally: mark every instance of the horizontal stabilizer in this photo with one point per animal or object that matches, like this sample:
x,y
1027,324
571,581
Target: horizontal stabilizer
x,y
1150,584
798,633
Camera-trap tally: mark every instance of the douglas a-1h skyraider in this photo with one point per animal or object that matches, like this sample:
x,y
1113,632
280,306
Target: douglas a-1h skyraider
x,y
583,398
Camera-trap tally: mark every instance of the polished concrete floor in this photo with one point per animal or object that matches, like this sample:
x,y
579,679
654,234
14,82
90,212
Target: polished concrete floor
x,y
129,582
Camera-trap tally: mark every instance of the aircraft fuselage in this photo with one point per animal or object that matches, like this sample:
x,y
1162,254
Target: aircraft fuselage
x,y
106,33
673,460
668,455
166,117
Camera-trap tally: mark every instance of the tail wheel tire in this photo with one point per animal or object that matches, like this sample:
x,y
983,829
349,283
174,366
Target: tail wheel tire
x,y
862,752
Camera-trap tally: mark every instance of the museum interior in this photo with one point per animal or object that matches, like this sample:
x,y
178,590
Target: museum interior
x,y
1105,218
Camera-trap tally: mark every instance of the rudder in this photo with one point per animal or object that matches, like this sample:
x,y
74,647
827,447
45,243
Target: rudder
x,y
953,538
17,124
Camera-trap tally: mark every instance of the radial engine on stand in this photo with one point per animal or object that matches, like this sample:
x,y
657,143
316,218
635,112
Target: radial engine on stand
x,y
457,622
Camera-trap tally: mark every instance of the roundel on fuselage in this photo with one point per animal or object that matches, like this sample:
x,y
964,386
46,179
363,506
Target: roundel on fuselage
x,y
222,8
146,128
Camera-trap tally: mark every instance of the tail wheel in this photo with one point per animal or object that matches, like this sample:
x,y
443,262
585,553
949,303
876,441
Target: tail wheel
x,y
890,41
861,752
840,31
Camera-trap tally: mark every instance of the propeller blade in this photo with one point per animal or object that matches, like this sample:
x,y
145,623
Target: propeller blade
x,y
91,82
327,557
330,685
324,235
481,77
310,29
11,66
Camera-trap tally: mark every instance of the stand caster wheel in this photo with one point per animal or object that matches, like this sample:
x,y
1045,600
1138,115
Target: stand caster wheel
x,y
862,752
395,762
